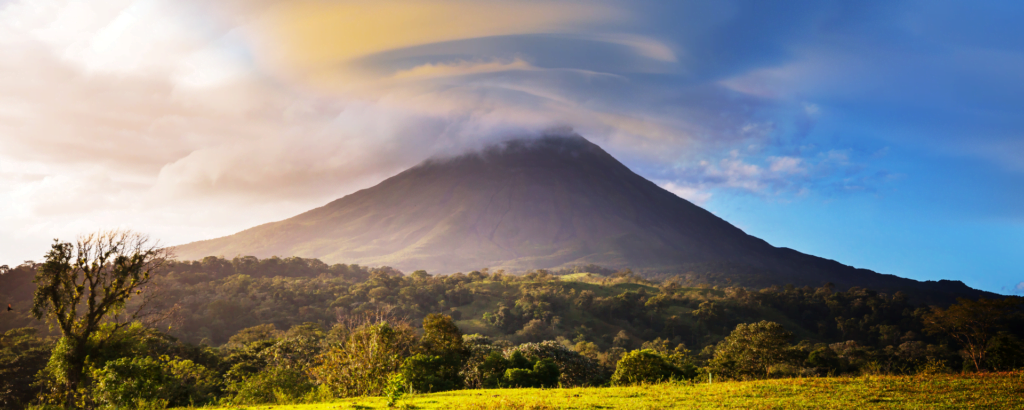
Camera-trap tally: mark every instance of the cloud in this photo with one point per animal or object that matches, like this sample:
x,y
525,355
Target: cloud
x,y
1019,288
692,194
786,165
170,116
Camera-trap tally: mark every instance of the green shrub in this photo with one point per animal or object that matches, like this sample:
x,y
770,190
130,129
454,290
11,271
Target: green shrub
x,y
574,369
519,378
644,366
128,382
362,363
490,372
826,359
543,374
273,385
131,369
1005,352
395,389
427,374
440,356
751,350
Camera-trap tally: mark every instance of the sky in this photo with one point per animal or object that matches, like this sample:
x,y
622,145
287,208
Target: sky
x,y
884,135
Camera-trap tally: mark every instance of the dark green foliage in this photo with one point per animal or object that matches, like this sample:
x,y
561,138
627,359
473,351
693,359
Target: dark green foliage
x,y
973,324
517,370
492,370
130,382
1005,352
751,351
644,366
575,370
679,356
22,355
272,385
442,356
594,322
426,374
826,359
543,374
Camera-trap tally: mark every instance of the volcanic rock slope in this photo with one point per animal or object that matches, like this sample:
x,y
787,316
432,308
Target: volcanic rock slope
x,y
538,203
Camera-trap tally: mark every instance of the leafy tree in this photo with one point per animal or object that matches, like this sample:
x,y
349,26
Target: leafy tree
x,y
678,356
644,366
441,336
272,385
442,356
544,373
254,334
972,323
574,369
1005,352
426,374
751,350
82,285
363,362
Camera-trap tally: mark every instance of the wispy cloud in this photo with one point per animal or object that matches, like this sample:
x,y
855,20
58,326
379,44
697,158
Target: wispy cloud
x,y
167,115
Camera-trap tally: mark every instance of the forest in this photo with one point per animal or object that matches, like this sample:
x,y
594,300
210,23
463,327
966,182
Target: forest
x,y
247,331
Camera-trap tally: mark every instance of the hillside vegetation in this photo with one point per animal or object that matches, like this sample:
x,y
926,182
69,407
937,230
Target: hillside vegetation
x,y
251,331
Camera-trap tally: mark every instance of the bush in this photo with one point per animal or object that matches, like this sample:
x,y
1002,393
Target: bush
x,y
273,385
574,368
751,350
543,374
1005,352
395,389
826,359
191,383
363,362
516,370
644,366
128,382
441,355
427,374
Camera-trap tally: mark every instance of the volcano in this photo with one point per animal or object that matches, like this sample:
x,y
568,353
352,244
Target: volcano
x,y
547,202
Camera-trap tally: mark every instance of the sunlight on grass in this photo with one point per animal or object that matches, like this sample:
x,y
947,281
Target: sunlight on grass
x,y
988,390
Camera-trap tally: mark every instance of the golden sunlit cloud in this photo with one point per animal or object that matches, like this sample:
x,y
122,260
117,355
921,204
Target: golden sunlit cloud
x,y
165,115
313,38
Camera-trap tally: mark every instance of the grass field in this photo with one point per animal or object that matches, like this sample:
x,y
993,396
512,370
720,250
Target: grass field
x,y
981,391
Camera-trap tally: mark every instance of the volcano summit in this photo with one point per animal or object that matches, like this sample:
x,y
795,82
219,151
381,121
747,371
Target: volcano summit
x,y
548,202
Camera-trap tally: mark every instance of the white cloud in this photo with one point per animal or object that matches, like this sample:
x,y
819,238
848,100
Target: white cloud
x,y
786,165
692,194
169,116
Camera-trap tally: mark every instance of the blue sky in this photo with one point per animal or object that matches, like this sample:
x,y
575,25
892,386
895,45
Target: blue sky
x,y
885,135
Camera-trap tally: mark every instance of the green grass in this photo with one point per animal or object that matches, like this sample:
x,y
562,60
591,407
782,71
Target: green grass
x,y
982,391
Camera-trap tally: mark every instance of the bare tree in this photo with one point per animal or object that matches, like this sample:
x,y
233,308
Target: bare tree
x,y
84,285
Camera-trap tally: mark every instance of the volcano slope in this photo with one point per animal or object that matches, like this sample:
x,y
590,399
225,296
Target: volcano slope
x,y
546,202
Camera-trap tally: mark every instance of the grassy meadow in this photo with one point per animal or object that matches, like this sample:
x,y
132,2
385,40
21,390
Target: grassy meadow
x,y
980,391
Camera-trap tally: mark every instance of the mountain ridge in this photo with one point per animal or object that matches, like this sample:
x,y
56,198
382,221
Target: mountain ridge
x,y
548,202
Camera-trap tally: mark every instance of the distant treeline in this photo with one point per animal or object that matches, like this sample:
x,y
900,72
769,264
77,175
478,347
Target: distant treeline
x,y
248,331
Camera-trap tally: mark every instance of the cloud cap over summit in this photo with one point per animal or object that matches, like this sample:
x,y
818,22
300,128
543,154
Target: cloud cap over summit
x,y
530,203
